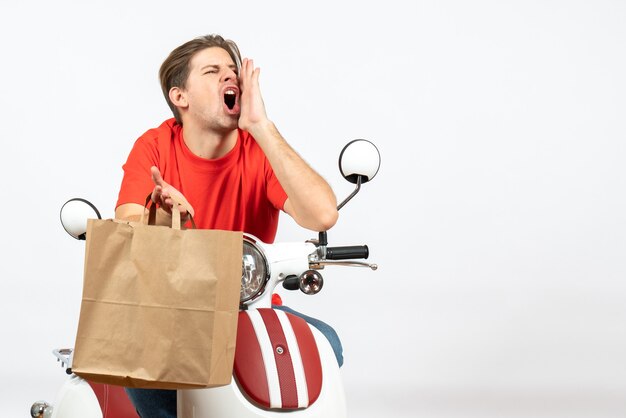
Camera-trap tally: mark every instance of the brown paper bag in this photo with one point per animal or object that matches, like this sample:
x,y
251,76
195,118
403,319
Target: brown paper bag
x,y
159,307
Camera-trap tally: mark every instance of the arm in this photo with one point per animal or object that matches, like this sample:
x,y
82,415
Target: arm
x,y
310,200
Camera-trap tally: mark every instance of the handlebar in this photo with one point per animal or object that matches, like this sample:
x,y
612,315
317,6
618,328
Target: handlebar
x,y
347,253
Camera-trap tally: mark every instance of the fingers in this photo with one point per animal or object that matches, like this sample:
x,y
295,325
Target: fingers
x,y
243,72
162,197
252,106
157,192
166,196
160,194
248,72
255,75
156,176
165,200
247,62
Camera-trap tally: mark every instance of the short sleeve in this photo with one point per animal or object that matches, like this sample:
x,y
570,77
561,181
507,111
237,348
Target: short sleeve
x,y
137,180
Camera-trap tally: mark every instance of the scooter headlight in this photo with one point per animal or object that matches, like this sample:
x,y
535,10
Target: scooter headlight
x,y
254,270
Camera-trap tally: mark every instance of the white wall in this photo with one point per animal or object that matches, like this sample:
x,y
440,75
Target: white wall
x,y
497,219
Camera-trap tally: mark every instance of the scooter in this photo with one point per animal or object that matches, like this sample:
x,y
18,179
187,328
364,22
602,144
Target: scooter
x,y
283,365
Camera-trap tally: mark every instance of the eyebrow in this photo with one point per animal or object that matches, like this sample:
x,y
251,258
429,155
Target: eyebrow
x,y
217,66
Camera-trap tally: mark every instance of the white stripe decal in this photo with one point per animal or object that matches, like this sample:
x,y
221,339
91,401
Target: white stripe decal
x,y
296,359
267,352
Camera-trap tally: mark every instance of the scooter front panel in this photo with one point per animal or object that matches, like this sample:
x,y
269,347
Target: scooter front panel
x,y
230,401
277,362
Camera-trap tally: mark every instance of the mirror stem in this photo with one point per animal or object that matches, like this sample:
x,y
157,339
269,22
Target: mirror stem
x,y
323,238
322,242
358,187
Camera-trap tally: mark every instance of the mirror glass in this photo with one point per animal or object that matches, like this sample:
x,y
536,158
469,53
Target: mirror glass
x,y
359,158
74,215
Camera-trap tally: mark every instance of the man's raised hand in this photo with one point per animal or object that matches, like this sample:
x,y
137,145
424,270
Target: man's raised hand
x,y
165,195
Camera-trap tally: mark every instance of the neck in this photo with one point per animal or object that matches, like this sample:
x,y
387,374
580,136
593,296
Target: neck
x,y
207,143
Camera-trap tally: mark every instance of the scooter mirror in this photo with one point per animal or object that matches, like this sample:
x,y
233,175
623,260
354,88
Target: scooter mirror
x,y
74,215
359,158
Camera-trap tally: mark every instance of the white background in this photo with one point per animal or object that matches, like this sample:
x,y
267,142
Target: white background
x,y
497,218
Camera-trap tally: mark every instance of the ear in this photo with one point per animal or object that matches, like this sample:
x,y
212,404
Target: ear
x,y
178,97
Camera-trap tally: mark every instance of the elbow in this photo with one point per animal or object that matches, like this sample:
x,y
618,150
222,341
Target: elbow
x,y
327,219
314,217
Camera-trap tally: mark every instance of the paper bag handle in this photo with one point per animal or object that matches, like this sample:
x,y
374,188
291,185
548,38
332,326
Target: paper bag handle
x,y
176,221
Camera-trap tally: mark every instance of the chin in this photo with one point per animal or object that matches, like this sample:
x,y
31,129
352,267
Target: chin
x,y
226,125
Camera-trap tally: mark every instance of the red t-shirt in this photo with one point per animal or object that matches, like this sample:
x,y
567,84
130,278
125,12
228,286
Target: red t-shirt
x,y
237,192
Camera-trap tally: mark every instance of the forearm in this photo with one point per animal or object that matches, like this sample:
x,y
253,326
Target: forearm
x,y
311,201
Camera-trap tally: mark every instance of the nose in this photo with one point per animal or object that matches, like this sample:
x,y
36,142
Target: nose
x,y
230,75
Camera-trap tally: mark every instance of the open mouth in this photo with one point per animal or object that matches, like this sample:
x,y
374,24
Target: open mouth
x,y
230,98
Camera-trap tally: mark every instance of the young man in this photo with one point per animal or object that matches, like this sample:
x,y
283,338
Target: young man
x,y
222,159
220,113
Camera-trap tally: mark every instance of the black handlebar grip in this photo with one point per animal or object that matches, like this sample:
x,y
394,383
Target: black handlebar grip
x,y
347,253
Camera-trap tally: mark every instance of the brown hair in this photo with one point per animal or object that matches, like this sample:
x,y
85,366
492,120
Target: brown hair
x,y
175,69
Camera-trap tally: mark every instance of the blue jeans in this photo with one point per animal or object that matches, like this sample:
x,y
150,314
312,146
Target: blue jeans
x,y
161,403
